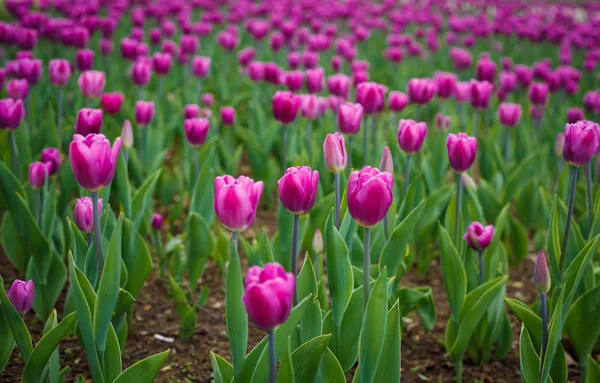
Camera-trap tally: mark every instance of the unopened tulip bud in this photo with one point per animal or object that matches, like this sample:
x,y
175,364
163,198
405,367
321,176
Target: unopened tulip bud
x,y
84,214
369,195
541,274
38,173
127,135
51,157
387,162
196,131
21,295
227,115
461,151
334,150
157,221
411,135
317,243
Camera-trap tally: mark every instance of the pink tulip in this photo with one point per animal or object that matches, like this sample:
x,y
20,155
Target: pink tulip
x,y
141,72
334,151
369,195
161,63
191,111
509,114
397,101
21,295
236,201
481,92
349,118
541,274
285,107
371,96
314,80
582,142
298,189
157,221
144,112
339,85
38,174
196,131
112,102
461,151
84,59
411,135
421,90
59,71
51,157
201,66
93,161
574,115
18,89
84,214
445,83
227,115
11,113
91,83
88,121
479,237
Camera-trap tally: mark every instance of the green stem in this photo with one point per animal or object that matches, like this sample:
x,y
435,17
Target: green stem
x,y
309,141
336,178
13,152
97,234
295,231
544,314
38,197
458,368
366,146
589,191
349,155
59,123
457,210
272,360
563,248
366,266
406,177
284,147
480,256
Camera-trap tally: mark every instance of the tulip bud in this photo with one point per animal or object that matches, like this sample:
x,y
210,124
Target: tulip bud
x,y
334,150
11,113
38,173
21,295
208,99
445,83
298,189
227,115
91,83
111,102
84,214
369,195
157,221
479,237
256,71
387,162
397,101
574,115
141,71
371,96
200,66
285,107
349,118
317,243
481,92
538,93
269,295
339,85
59,71
144,112
127,135
462,92
236,201
421,90
541,274
88,121
411,135
293,80
17,89
582,142
461,151
161,63
509,114
51,157
84,59
314,80
30,69
196,131
94,169
245,56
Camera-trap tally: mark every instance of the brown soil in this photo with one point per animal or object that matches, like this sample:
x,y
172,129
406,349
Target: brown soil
x,y
423,354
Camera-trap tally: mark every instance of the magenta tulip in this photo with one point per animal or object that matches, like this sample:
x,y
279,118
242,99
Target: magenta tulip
x,y
298,189
112,102
334,151
93,161
339,85
141,72
461,151
371,96
285,107
51,157
21,295
200,66
369,195
397,101
88,121
445,83
59,71
538,93
84,214
38,174
411,135
479,237
161,63
227,115
236,201
349,118
196,131
481,93
574,115
17,89
144,112
11,113
509,114
582,142
91,83
421,90
157,221
314,80
84,59
30,69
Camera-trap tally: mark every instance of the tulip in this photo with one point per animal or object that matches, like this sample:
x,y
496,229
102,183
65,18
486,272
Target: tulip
x,y
298,189
157,221
84,214
144,112
574,115
236,201
38,173
371,96
524,75
127,138
21,295
30,69
272,73
445,83
196,131
245,56
84,59
293,80
141,72
541,281
51,157
91,83
420,91
191,111
111,102
411,135
11,113
18,89
269,294
256,71
481,92
161,63
461,151
309,106
106,46
349,118
59,71
129,49
478,238
582,142
88,121
336,159
486,70
314,80
208,99
387,163
227,115
339,85
509,114
538,93
285,108
508,81
397,101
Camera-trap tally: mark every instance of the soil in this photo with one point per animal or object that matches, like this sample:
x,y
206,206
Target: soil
x,y
423,354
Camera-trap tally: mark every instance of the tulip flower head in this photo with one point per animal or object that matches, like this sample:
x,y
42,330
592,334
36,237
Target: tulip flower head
x,y
269,295
479,237
84,214
127,134
196,131
201,66
445,83
91,83
93,160
157,221
208,99
421,90
11,113
411,135
112,102
371,96
574,115
397,101
298,188
51,157
461,151
38,174
339,85
227,115
582,142
88,121
334,150
369,195
17,89
349,118
21,295
509,114
236,201
387,162
144,112
141,72
481,92
59,71
541,274
84,59
285,107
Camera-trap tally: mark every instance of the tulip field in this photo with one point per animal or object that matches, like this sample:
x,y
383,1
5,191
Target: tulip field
x,y
299,191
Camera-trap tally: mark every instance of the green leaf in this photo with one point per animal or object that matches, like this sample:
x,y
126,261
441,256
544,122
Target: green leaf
x,y
6,346
373,329
330,370
339,271
145,370
555,329
391,255
577,269
44,349
121,186
108,289
553,242
435,204
529,359
136,256
581,324
53,365
453,274
12,245
593,372
203,192
48,212
201,246
143,196
237,319
222,370
519,173
307,357
388,368
112,358
187,312
286,368
15,323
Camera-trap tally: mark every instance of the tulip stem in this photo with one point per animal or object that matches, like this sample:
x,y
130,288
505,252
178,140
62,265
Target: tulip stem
x,y
406,177
97,236
480,256
366,266
13,152
284,147
563,248
461,117
309,139
418,113
336,178
544,315
272,361
196,165
349,155
59,123
158,246
295,250
457,210
198,92
506,146
590,202
142,142
366,146
38,197
458,367
476,123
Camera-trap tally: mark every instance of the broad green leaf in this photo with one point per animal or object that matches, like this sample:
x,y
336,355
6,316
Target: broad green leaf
x,y
6,346
581,324
594,371
330,370
201,246
187,312
108,289
553,242
388,368
222,370
12,245
307,358
44,349
529,359
122,187
237,319
136,256
555,328
286,368
145,370
19,330
142,198
577,269
339,271
453,274
112,357
203,192
373,329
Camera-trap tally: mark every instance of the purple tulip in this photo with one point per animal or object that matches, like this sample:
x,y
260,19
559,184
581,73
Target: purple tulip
x,y
445,83
21,295
411,135
245,56
298,189
141,71
51,157
397,101
285,107
157,221
88,121
486,70
129,49
59,71
144,112
524,75
84,214
106,47
293,59
196,131
309,106
574,115
462,92
227,115
314,80
269,295
334,150
11,113
481,92
37,175
191,111
91,83
256,71
541,274
208,99
112,102
17,89
349,118
582,142
360,77
369,195
461,58
161,63
339,85
387,163
461,151
189,44
273,73
236,201
293,80
479,237
84,59
30,69
371,96
509,114
442,122
421,90
508,81
200,66
538,93
93,161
